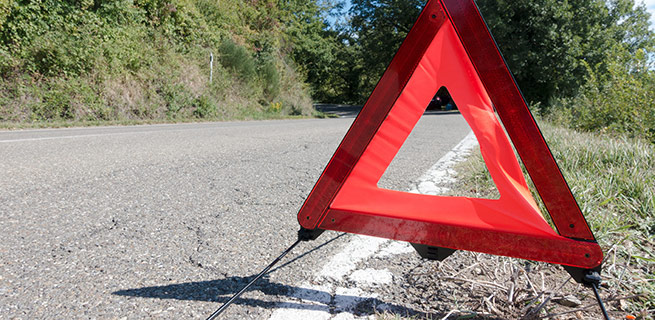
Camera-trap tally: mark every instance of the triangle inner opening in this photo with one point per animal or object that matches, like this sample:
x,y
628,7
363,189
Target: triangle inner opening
x,y
431,158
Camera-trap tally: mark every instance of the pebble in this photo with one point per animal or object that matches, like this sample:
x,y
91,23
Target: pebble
x,y
569,301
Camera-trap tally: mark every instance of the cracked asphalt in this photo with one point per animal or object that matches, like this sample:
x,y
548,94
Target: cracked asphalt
x,y
168,221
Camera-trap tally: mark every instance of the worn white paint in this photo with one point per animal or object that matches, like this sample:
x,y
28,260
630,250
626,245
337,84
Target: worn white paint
x,y
326,299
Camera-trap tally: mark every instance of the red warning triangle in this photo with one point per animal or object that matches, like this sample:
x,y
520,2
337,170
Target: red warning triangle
x,y
450,46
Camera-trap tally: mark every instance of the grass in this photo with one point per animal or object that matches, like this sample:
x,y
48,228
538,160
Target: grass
x,y
613,180
136,122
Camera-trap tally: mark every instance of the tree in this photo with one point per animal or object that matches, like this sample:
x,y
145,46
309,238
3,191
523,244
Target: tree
x,y
379,27
549,44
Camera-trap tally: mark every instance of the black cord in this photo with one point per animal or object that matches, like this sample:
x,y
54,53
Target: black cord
x,y
236,296
600,302
592,277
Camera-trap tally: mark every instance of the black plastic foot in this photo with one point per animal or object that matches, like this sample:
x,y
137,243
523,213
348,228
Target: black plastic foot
x,y
432,253
307,234
579,274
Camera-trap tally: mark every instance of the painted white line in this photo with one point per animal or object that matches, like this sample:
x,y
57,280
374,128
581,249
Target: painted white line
x,y
372,277
79,136
345,261
394,248
137,129
328,297
442,173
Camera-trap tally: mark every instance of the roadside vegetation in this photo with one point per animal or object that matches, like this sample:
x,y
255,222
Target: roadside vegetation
x,y
582,64
612,179
148,60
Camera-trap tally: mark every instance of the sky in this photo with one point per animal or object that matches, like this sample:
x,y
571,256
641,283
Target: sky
x,y
650,5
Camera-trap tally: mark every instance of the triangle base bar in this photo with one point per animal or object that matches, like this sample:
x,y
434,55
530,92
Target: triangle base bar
x,y
563,251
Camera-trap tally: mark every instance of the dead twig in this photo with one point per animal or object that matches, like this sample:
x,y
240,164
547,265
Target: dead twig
x,y
478,282
536,310
490,305
527,277
467,268
449,313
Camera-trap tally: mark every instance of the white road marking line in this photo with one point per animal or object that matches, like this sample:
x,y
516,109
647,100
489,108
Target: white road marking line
x,y
346,261
328,300
79,136
145,129
442,172
372,277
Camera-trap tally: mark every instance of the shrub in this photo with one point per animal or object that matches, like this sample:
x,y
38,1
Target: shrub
x,y
204,107
143,59
621,100
237,59
270,78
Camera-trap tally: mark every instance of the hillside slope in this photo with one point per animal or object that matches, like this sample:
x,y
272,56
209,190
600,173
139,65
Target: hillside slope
x,y
149,59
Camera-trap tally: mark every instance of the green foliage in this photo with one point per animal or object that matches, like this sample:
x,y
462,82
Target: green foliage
x,y
549,43
619,98
237,59
204,107
313,46
586,58
380,27
271,79
144,59
148,58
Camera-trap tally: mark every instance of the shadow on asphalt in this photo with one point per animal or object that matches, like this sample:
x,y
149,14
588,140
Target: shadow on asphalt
x,y
339,110
221,290
348,111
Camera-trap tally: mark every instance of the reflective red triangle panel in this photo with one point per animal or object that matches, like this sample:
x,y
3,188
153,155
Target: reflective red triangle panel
x,y
450,46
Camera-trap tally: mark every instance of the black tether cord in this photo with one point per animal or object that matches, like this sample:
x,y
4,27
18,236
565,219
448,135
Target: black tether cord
x,y
593,278
229,302
600,302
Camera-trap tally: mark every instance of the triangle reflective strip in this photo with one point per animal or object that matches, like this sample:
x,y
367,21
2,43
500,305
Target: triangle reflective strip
x,y
450,46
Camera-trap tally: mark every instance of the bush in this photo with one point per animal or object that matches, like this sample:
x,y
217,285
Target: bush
x,y
204,107
237,59
143,59
270,78
621,100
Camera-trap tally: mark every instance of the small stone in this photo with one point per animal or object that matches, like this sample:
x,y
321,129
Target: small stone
x,y
623,305
569,301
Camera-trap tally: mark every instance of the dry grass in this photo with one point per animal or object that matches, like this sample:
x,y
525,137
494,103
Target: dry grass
x,y
612,179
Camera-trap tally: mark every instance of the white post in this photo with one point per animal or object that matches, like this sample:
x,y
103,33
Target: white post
x,y
211,67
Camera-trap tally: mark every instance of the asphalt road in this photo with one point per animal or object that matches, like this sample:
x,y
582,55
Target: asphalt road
x,y
168,221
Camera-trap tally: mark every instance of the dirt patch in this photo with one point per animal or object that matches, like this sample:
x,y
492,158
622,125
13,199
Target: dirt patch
x,y
471,285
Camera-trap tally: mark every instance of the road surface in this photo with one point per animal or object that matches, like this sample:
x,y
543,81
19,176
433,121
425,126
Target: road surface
x,y
167,221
